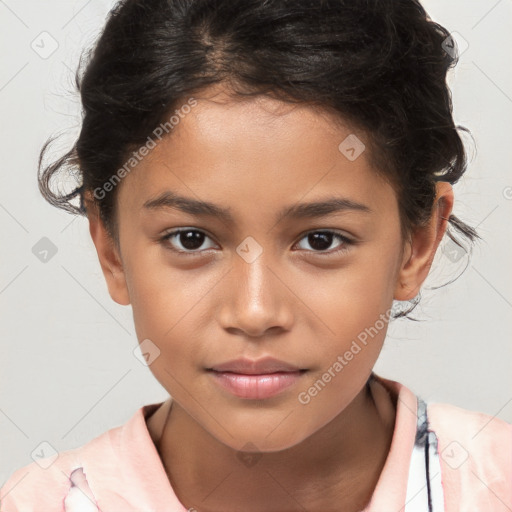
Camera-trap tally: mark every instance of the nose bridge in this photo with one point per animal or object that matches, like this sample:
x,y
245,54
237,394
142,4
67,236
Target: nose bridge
x,y
255,300
253,277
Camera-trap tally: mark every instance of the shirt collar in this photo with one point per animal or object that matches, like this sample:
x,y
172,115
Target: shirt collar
x,y
145,485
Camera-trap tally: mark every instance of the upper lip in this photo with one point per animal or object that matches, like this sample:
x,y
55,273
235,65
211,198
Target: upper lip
x,y
255,367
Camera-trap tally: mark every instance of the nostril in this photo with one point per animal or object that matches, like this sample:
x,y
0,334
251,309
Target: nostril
x,y
79,497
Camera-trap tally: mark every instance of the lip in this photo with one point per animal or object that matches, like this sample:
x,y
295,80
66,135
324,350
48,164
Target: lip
x,y
265,365
256,379
256,387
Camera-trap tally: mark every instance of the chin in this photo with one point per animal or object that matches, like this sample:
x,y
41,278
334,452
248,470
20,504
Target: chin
x,y
262,439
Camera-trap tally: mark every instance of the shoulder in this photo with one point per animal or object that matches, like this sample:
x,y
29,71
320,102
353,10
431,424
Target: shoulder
x,y
476,429
475,455
45,483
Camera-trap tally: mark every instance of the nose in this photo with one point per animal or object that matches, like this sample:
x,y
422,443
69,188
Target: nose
x,y
255,299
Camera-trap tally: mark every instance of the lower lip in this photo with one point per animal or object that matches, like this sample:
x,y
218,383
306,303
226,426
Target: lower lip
x,y
256,386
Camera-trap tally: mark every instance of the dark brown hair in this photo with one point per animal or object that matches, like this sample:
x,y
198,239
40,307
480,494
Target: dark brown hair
x,y
380,65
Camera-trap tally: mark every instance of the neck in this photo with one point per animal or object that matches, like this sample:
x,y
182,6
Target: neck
x,y
340,463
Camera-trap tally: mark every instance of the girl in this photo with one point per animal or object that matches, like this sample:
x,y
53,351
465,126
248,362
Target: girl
x,y
223,144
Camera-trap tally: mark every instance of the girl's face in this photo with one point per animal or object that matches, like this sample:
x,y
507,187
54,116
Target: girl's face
x,y
259,279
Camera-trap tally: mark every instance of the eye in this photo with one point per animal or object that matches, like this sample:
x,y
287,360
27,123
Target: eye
x,y
322,240
189,239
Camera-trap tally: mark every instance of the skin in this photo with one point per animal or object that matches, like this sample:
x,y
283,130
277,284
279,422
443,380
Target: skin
x,y
294,302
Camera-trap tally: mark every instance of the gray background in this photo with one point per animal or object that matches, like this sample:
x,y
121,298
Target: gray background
x,y
67,367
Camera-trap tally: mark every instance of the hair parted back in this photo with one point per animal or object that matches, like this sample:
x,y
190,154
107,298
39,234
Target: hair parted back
x,y
378,65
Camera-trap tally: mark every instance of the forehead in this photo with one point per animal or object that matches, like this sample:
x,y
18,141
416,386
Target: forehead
x,y
256,152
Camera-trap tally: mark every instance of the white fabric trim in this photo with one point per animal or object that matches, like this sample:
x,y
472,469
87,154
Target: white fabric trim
x,y
417,492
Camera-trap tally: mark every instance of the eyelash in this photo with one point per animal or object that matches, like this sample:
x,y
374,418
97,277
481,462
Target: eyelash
x,y
344,248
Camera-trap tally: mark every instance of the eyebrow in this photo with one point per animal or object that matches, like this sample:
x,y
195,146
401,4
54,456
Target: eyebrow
x,y
171,200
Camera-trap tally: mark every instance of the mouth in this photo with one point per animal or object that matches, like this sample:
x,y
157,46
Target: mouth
x,y
256,380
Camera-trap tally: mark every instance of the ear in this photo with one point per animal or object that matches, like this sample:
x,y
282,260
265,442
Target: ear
x,y
108,254
420,251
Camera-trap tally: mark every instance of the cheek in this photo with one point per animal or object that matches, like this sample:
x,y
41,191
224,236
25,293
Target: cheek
x,y
163,313
163,300
353,297
170,308
352,312
158,292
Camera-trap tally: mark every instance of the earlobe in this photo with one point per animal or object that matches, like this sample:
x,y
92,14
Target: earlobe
x,y
108,255
423,246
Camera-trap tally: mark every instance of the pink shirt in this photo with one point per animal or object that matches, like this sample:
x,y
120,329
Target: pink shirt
x,y
121,471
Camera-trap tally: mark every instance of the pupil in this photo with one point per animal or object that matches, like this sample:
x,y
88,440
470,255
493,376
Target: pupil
x,y
189,238
316,239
